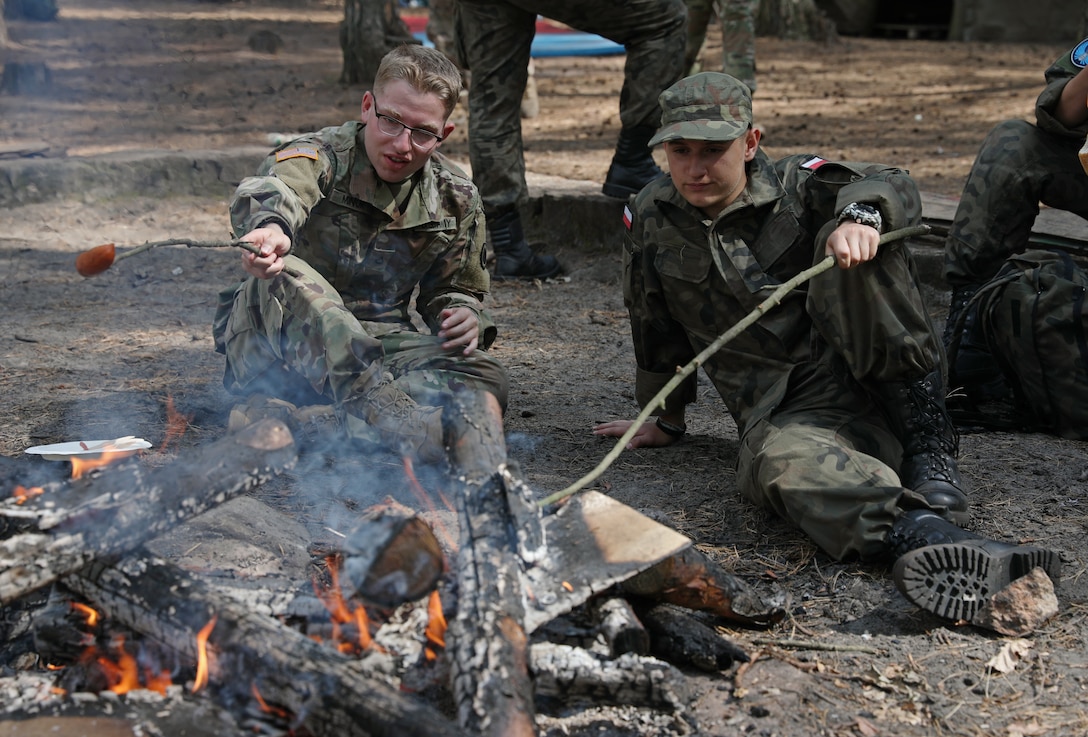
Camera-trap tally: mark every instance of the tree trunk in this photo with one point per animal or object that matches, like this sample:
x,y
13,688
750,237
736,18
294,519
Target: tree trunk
x,y
370,29
798,20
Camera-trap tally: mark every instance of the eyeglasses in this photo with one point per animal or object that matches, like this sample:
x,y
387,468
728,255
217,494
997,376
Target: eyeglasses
x,y
421,138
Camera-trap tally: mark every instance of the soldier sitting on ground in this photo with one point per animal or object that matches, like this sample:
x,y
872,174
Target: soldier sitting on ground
x,y
837,392
349,221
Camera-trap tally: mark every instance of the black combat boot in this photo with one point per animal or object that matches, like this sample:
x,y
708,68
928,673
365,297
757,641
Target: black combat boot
x,y
513,257
399,422
917,415
952,572
633,165
971,367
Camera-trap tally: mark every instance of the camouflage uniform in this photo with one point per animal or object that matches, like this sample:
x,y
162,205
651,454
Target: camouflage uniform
x,y
495,40
738,20
337,321
815,447
1018,166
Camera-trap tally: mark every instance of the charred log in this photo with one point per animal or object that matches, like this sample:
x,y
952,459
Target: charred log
x,y
487,640
112,512
620,627
690,579
567,673
327,692
681,639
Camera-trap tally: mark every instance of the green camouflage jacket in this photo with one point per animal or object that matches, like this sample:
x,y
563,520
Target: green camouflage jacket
x,y
688,279
346,223
1064,68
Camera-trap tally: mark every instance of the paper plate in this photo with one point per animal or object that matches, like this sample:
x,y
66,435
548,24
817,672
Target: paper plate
x,y
90,448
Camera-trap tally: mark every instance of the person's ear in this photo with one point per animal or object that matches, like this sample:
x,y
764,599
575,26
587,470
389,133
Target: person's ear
x,y
751,142
447,129
368,103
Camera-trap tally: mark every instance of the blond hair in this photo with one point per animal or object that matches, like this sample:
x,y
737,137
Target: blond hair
x,y
425,69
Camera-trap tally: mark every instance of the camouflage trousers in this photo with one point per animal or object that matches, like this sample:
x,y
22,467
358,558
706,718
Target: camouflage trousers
x,y
824,456
291,337
494,41
738,21
830,471
1018,166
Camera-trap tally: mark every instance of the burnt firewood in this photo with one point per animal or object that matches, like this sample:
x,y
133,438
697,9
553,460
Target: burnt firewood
x,y
690,579
569,673
620,627
679,638
112,512
391,557
327,692
487,641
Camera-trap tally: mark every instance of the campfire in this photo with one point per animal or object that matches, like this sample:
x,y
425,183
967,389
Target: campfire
x,y
413,631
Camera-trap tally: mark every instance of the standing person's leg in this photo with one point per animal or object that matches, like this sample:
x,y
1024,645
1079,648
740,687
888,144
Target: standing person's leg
x,y
495,39
738,19
699,12
653,33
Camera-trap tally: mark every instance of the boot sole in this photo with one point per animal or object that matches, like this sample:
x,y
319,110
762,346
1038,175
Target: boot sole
x,y
954,580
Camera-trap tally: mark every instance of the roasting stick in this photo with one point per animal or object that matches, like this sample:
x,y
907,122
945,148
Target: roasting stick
x,y
682,373
96,260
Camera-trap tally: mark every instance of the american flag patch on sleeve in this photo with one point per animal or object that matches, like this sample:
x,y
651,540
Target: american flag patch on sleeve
x,y
295,152
814,163
628,217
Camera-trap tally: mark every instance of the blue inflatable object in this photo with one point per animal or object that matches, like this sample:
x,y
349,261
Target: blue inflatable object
x,y
562,44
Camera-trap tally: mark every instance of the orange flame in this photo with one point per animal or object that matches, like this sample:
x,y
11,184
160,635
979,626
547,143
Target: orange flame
x,y
265,706
80,465
436,627
201,678
176,425
90,615
122,674
22,494
342,613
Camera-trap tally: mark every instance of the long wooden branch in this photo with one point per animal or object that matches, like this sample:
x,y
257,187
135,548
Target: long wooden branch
x,y
113,512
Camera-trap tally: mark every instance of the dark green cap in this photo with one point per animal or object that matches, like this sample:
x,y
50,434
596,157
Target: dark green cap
x,y
709,106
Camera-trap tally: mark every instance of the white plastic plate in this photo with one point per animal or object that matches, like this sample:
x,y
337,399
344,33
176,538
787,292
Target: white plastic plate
x,y
65,451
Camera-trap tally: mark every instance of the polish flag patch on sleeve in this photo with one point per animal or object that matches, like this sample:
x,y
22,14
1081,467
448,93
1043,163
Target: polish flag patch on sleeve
x,y
628,217
295,152
814,163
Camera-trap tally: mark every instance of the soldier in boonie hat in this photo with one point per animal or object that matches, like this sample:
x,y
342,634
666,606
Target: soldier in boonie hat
x,y
709,106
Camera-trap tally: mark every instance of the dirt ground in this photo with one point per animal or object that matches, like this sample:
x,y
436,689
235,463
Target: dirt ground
x,y
102,357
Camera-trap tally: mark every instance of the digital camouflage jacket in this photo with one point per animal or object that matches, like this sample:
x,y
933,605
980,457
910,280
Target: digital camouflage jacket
x,y
347,223
688,279
1064,68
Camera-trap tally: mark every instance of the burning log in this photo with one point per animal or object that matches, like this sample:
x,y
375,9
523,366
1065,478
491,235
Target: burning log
x,y
324,690
691,580
487,641
117,510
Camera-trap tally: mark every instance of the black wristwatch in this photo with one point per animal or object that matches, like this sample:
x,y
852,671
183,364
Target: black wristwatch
x,y
864,214
676,431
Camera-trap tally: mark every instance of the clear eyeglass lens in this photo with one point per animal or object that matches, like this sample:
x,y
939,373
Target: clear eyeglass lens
x,y
392,127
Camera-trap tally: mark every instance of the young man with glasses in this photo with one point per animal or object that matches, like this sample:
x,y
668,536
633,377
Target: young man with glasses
x,y
349,221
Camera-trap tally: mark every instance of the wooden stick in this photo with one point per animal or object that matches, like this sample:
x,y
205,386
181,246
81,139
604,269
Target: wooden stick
x,y
682,373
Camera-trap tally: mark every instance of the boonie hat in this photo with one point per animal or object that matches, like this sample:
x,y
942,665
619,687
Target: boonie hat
x,y
709,106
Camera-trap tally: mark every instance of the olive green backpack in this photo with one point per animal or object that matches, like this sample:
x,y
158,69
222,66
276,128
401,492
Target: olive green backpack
x,y
1034,318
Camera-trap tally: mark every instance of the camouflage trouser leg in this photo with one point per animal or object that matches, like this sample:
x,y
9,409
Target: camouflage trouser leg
x,y
832,473
738,18
875,318
496,38
291,330
1017,167
699,12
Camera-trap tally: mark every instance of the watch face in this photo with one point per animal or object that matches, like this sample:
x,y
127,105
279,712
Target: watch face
x,y
1079,55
